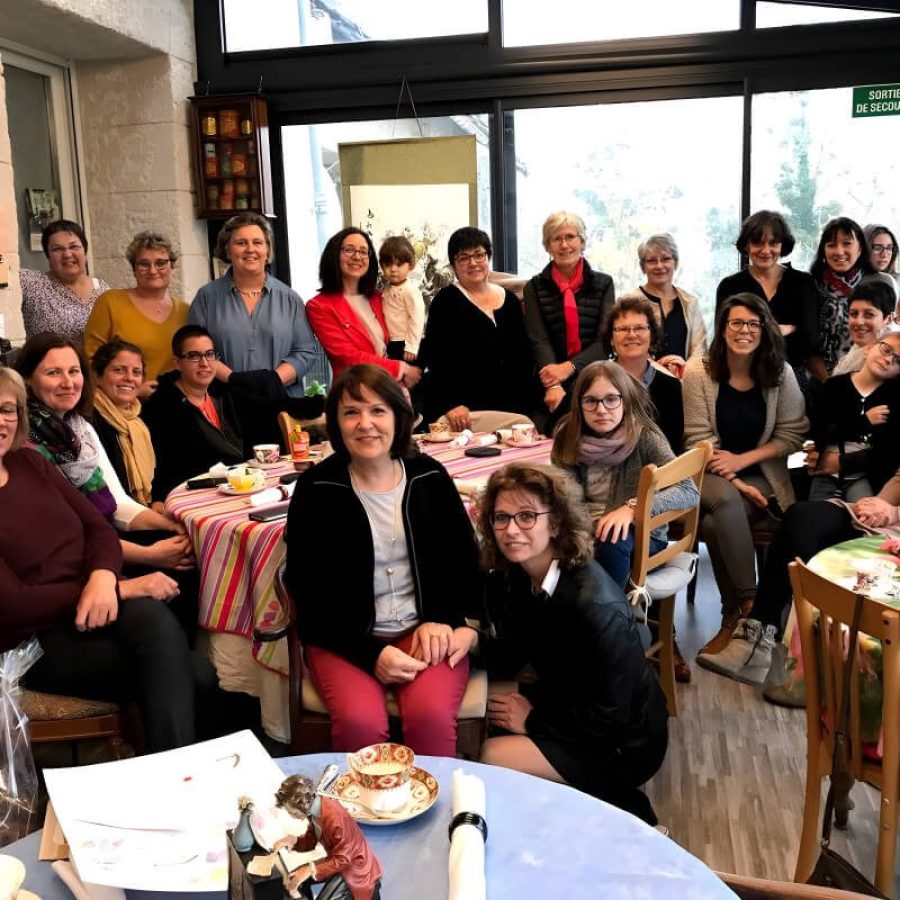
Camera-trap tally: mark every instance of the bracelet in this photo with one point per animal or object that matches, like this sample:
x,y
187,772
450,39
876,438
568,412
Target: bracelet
x,y
469,818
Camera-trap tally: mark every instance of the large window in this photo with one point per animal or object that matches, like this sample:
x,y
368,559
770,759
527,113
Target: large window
x,y
525,23
776,15
306,23
313,181
812,161
630,170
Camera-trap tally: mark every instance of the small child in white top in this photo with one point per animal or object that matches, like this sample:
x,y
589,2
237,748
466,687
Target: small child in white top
x,y
404,309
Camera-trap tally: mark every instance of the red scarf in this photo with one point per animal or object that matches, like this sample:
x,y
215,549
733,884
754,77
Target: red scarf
x,y
570,309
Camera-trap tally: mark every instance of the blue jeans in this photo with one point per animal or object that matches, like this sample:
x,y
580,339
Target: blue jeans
x,y
616,557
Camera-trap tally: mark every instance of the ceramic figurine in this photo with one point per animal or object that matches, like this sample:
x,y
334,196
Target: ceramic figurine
x,y
351,869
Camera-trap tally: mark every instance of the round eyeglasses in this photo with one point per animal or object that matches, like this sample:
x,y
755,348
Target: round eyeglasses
x,y
526,519
610,401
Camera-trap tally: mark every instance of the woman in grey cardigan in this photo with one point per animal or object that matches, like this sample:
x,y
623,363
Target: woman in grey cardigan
x,y
743,397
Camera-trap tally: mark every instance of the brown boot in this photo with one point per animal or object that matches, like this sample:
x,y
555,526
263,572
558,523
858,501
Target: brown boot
x,y
729,623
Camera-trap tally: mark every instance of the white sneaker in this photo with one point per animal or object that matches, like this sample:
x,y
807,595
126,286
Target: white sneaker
x,y
747,657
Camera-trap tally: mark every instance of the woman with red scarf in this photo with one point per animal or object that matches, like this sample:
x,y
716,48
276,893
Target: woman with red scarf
x,y
841,263
565,306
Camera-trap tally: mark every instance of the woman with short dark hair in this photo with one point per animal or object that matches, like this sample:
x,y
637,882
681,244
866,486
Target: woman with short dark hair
x,y
475,349
595,717
765,239
371,532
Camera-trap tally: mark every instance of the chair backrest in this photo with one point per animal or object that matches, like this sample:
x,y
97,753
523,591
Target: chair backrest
x,y
287,423
691,464
824,649
748,888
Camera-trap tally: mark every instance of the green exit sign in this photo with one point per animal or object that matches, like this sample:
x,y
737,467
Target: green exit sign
x,y
876,100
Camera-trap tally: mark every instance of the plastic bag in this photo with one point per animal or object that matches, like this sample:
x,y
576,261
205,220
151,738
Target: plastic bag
x,y
18,777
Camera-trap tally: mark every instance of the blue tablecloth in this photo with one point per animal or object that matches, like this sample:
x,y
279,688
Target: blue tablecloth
x,y
545,840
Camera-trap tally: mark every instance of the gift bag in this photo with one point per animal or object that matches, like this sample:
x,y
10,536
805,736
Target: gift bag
x,y
18,778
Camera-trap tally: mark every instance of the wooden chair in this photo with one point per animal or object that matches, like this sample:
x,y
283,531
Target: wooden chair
x,y
53,718
662,575
762,889
823,659
310,723
316,428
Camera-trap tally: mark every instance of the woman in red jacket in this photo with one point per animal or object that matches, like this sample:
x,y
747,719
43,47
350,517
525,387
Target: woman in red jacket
x,y
347,316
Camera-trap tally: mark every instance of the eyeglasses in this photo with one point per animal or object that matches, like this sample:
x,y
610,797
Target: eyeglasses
x,y
885,349
194,356
146,264
610,401
658,260
69,248
524,518
631,329
478,256
568,238
9,412
358,252
881,249
754,326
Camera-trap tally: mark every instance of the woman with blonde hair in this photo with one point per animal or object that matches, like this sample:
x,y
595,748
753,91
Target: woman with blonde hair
x,y
145,315
565,306
595,717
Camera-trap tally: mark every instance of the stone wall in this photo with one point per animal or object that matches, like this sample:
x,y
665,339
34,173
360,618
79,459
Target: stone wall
x,y
133,65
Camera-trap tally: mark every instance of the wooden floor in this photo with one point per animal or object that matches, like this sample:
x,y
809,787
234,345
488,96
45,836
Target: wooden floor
x,y
731,788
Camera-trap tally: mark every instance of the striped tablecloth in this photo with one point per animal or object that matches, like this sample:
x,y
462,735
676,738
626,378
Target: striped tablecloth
x,y
239,558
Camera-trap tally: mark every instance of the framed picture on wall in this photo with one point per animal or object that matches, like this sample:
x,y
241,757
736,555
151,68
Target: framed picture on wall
x,y
43,208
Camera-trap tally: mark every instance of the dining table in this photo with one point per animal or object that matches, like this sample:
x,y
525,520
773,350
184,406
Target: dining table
x,y
238,559
543,840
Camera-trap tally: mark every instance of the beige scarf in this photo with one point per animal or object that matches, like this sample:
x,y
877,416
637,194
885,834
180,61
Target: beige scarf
x,y
134,439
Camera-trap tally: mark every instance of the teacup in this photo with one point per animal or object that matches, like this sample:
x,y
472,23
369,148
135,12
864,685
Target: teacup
x,y
504,434
523,434
12,874
244,478
382,772
265,454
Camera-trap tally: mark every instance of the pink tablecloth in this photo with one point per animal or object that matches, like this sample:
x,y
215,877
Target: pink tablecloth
x,y
239,558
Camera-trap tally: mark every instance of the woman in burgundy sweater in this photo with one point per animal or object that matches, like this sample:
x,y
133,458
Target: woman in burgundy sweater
x,y
59,580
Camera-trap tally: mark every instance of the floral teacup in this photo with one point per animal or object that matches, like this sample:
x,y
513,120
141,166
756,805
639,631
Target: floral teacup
x,y
382,772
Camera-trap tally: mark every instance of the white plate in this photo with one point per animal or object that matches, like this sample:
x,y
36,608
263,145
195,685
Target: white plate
x,y
440,438
424,790
228,489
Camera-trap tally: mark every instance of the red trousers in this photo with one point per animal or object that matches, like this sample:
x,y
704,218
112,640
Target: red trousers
x,y
356,702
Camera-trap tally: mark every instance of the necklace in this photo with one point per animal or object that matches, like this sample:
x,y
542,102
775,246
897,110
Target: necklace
x,y
251,293
385,544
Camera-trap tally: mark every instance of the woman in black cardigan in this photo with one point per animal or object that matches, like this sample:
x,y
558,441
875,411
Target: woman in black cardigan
x,y
382,561
565,306
595,718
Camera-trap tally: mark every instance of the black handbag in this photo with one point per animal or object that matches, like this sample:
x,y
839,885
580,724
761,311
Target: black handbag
x,y
831,869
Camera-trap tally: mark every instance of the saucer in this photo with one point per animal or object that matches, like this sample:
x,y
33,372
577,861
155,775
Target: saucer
x,y
256,464
424,790
232,492
509,442
442,437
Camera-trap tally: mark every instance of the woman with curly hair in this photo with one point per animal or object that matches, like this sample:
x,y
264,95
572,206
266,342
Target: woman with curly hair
x,y
743,397
595,717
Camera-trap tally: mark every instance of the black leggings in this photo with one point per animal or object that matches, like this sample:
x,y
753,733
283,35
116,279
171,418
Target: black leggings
x,y
143,656
806,529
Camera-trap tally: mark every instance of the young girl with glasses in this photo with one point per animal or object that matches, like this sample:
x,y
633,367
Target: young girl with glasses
x,y
743,397
605,440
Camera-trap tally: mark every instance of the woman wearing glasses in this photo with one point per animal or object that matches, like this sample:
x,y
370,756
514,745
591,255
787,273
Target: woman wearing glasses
x,y
883,251
565,306
792,295
60,300
475,349
683,331
145,315
383,563
633,332
743,397
347,316
102,636
595,717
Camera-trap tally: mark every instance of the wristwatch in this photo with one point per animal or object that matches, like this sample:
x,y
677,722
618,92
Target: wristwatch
x,y
632,503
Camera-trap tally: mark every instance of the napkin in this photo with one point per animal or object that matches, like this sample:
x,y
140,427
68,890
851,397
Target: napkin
x,y
462,439
277,494
466,867
218,470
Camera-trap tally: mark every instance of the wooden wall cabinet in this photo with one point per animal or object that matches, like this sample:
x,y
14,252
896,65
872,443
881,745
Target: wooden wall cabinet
x,y
231,139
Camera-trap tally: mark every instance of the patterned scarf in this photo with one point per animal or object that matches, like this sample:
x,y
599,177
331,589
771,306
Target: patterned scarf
x,y
134,439
570,308
834,333
612,450
72,445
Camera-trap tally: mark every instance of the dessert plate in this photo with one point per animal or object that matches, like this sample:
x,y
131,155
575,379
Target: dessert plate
x,y
424,790
233,492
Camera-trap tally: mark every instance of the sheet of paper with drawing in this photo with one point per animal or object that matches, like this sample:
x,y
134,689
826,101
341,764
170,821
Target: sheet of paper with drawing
x,y
158,822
